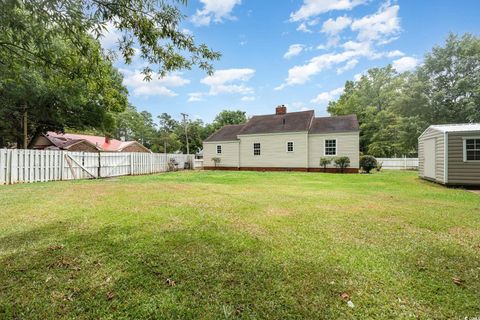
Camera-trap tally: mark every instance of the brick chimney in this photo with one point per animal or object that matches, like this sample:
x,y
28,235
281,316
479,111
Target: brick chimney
x,y
281,109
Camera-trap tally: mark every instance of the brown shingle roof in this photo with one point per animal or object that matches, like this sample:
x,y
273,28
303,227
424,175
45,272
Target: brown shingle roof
x,y
334,124
226,133
289,122
274,123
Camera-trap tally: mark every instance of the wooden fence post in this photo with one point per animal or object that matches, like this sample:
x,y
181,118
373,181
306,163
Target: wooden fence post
x,y
99,172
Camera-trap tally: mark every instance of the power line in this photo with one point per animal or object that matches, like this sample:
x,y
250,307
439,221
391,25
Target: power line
x,y
184,115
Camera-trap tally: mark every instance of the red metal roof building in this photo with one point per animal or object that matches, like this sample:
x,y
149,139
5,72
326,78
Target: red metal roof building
x,y
82,142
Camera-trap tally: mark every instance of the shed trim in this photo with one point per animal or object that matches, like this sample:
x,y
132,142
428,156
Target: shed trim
x,y
464,145
445,158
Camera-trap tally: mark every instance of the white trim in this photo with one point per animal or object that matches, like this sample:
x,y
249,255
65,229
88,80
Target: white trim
x,y
424,131
465,148
325,148
445,158
293,146
216,149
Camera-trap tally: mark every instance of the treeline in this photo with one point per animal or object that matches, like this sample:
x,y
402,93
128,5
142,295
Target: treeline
x,y
55,76
166,134
395,108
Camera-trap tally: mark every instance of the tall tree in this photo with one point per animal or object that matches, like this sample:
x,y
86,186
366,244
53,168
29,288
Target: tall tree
x,y
36,98
168,140
394,109
227,117
28,29
371,98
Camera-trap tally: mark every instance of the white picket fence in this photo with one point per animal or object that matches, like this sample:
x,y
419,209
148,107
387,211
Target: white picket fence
x,y
18,166
399,163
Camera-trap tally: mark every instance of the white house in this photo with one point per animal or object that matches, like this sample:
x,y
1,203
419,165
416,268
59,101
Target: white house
x,y
284,141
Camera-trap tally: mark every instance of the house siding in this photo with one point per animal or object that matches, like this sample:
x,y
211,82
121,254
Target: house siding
x,y
431,133
460,172
274,150
347,145
228,158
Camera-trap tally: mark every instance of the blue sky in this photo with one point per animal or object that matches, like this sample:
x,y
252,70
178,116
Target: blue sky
x,y
294,52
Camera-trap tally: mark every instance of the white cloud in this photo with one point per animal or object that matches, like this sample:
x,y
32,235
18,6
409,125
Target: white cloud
x,y
324,97
229,81
301,74
358,76
298,105
311,8
303,27
214,10
380,26
195,96
333,27
187,31
348,66
395,53
405,64
293,50
155,87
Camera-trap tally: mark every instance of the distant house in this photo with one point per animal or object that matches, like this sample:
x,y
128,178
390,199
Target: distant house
x,y
450,154
284,141
83,142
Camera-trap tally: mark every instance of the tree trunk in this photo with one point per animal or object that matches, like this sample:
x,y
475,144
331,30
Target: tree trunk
x,y
25,129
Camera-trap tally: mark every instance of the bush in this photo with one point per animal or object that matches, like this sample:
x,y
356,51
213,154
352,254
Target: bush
x,y
379,166
342,163
368,163
324,162
216,160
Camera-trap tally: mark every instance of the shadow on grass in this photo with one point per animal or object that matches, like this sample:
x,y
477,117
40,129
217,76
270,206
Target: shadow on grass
x,y
61,271
50,272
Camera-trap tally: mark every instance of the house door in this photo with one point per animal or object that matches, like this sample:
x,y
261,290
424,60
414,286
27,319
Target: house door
x,y
429,156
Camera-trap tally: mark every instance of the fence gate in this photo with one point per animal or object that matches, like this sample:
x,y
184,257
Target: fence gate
x,y
18,166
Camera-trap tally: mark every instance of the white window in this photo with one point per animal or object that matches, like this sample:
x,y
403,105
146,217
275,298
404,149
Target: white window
x,y
290,146
471,149
219,149
331,147
256,149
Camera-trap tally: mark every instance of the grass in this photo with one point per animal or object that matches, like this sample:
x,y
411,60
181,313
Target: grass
x,y
240,245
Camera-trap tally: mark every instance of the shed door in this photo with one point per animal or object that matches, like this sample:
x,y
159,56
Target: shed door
x,y
429,155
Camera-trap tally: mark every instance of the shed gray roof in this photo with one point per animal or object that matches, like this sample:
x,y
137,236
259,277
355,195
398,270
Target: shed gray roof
x,y
226,133
334,124
460,127
274,123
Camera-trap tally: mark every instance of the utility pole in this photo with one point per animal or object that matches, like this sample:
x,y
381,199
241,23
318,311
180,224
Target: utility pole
x,y
184,115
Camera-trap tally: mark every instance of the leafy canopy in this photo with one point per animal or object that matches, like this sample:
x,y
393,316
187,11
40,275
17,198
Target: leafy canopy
x,y
28,28
394,109
69,93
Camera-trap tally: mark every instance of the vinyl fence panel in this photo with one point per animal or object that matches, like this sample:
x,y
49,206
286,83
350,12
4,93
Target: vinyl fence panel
x,y
22,166
399,163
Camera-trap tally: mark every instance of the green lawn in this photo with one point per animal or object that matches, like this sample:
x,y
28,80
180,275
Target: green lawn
x,y
240,245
